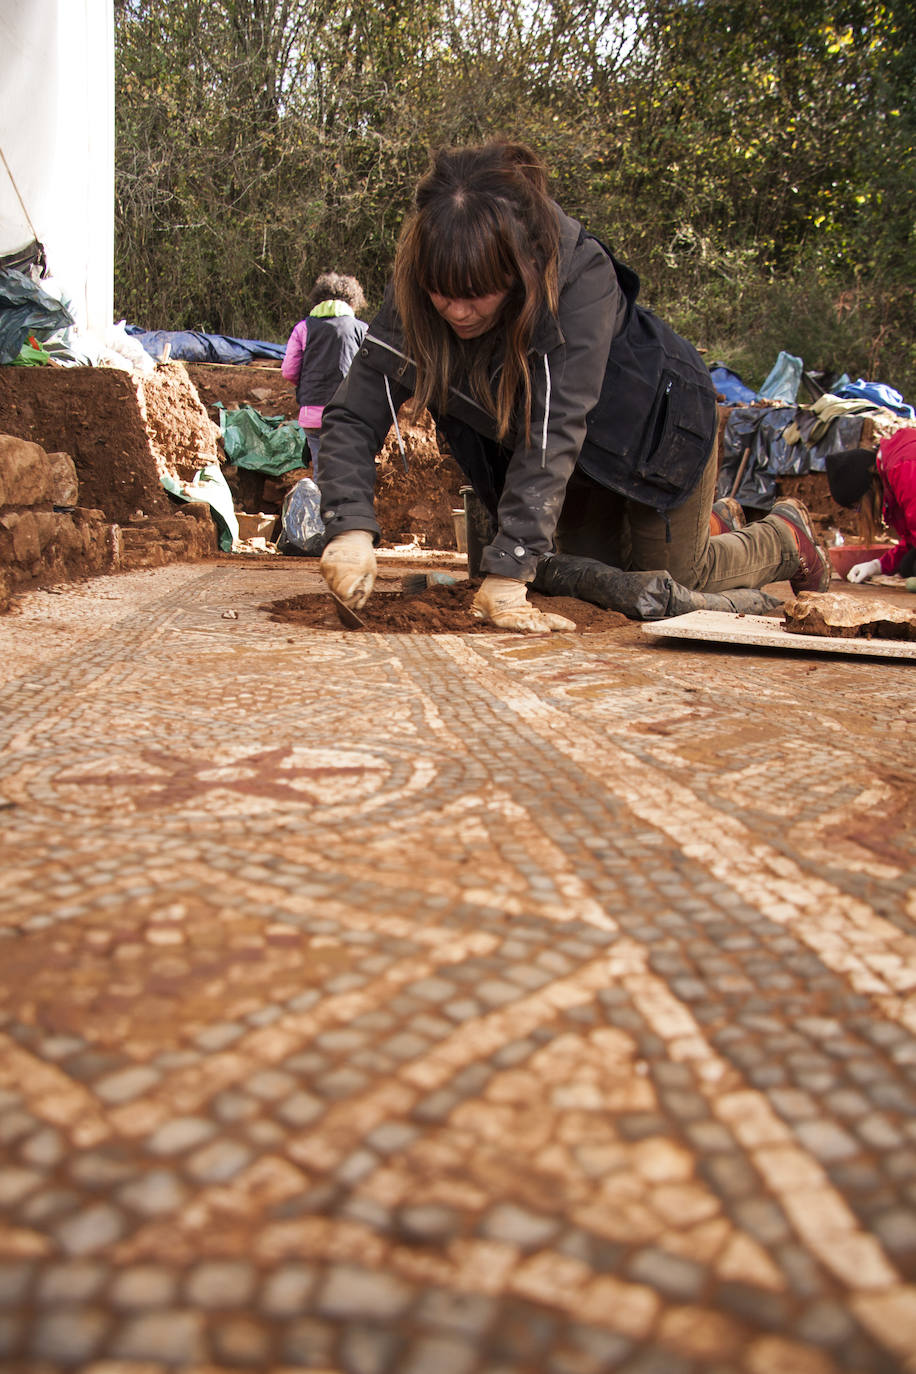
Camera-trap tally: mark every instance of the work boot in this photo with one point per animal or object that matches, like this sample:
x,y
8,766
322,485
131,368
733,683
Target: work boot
x,y
814,571
726,516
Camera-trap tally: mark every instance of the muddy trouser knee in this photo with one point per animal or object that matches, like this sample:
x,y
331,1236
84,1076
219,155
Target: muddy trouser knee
x,y
628,557
764,551
639,595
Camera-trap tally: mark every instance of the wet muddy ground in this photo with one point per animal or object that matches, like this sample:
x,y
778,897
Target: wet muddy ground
x,y
434,610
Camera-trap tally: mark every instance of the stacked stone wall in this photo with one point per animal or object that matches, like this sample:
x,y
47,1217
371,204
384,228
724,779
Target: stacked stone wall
x,y
44,534
47,537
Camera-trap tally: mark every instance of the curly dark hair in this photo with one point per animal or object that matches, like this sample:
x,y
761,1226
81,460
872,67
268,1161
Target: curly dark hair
x,y
334,286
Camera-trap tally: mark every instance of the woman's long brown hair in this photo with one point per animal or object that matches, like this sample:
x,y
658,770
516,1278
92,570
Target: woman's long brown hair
x,y
482,223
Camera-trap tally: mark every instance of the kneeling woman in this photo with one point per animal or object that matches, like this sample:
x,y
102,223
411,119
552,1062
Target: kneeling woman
x,y
582,421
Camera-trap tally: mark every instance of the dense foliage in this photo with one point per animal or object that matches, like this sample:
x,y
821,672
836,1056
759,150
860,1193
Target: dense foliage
x,y
754,162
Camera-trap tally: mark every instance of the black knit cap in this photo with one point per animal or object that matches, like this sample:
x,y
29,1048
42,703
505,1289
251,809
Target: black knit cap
x,y
849,474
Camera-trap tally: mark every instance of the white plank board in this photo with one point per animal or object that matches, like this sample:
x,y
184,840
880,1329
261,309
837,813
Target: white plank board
x,y
762,631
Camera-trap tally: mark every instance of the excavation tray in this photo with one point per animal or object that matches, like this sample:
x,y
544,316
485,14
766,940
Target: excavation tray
x,y
766,632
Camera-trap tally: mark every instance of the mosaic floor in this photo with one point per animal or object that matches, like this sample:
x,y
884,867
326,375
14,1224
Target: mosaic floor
x,y
448,1005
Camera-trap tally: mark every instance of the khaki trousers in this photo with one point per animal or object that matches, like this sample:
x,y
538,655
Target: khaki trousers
x,y
597,523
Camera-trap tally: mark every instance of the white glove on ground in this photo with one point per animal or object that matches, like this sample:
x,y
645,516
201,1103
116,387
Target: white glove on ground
x,y
504,601
348,566
861,572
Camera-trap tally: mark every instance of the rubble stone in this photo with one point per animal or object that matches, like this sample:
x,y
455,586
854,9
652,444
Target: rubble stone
x,y
25,473
64,481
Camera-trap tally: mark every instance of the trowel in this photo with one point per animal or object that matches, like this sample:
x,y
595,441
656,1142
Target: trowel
x,y
349,619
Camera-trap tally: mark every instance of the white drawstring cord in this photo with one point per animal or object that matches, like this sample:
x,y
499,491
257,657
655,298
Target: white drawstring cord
x,y
546,413
397,427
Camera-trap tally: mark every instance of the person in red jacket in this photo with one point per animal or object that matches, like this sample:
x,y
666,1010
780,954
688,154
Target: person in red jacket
x,y
883,486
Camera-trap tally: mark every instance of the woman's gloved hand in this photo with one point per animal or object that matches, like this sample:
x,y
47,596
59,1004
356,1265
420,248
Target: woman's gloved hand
x,y
504,602
348,566
861,572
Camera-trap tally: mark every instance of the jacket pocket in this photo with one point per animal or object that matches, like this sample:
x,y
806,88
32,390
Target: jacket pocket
x,y
677,435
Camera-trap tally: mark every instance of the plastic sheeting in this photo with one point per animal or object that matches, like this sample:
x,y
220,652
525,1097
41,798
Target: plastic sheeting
x,y
782,383
879,393
303,527
26,309
730,385
263,443
189,346
210,486
57,135
761,431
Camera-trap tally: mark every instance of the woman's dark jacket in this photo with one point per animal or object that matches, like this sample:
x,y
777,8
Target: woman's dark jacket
x,y
614,390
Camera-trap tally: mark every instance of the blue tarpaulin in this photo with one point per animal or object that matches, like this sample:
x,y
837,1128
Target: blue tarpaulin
x,y
761,431
730,385
188,346
878,392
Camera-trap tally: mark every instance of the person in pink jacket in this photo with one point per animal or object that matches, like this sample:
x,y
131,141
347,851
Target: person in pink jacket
x,y
883,486
322,346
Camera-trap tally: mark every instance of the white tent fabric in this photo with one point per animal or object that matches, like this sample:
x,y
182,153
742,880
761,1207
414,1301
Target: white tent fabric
x,y
57,137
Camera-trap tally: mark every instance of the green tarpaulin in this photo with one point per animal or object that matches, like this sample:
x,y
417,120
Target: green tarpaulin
x,y
266,443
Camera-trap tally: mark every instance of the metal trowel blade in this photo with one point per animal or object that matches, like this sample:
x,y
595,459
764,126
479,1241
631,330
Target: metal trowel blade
x,y
349,619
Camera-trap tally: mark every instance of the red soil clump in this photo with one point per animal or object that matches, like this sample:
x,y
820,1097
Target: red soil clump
x,y
436,610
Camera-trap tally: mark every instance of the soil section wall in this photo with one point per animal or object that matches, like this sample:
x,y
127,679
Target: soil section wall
x,y
123,430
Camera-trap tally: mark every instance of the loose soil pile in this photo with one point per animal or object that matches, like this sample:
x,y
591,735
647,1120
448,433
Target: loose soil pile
x,y
420,501
437,610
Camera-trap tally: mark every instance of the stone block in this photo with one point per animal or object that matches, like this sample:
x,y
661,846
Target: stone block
x,y
64,481
188,534
25,473
48,524
23,546
45,547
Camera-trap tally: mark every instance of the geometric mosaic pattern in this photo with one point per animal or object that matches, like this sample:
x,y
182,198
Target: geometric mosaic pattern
x,y
385,1004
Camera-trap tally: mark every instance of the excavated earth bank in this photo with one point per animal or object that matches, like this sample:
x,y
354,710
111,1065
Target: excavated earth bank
x,y
124,431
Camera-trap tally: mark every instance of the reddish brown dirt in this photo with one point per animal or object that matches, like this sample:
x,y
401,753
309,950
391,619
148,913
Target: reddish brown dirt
x,y
827,516
121,430
419,501
259,385
93,414
438,610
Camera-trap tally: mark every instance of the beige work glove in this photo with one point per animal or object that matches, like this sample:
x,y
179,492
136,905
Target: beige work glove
x,y
504,601
348,567
861,572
